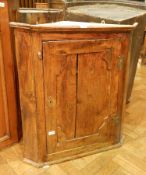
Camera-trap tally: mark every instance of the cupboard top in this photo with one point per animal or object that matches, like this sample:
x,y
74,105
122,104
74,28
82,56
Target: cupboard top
x,y
73,26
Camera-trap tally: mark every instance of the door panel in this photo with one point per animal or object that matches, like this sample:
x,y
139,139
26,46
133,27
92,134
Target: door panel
x,y
94,79
81,92
66,96
60,96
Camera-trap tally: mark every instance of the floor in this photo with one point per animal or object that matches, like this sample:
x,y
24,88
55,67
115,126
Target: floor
x,y
130,159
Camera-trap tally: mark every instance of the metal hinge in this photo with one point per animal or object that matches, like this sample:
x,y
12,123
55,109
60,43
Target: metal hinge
x,y
40,56
116,119
121,62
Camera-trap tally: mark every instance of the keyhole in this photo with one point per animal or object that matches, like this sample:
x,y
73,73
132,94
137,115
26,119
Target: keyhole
x,y
51,102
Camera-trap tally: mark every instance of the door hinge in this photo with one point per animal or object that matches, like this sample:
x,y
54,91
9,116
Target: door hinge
x,y
51,102
116,119
121,61
40,56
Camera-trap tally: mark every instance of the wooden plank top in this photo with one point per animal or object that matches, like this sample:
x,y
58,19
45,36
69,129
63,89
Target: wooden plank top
x,y
73,26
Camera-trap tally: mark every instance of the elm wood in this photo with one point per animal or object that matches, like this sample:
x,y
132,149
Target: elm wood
x,y
28,82
32,106
65,26
75,115
68,155
80,152
39,90
47,51
8,111
91,103
65,98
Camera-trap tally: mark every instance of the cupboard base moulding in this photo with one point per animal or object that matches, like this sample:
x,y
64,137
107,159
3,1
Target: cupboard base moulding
x,y
74,155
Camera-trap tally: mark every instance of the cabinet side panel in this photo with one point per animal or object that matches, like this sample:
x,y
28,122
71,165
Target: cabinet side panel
x,y
39,90
123,83
24,55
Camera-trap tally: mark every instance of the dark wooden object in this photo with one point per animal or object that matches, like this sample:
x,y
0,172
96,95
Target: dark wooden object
x,y
72,79
121,12
8,111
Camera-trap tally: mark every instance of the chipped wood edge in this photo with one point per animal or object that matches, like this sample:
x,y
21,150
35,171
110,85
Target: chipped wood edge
x,y
35,164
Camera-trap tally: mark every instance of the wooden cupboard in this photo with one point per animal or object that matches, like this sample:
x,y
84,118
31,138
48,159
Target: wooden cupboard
x,y
73,79
8,110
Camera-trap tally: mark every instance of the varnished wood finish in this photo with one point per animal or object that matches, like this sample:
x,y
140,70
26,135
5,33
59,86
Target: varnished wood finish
x,y
73,100
130,159
76,108
8,111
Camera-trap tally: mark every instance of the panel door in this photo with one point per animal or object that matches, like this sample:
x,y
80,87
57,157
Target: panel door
x,y
82,93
